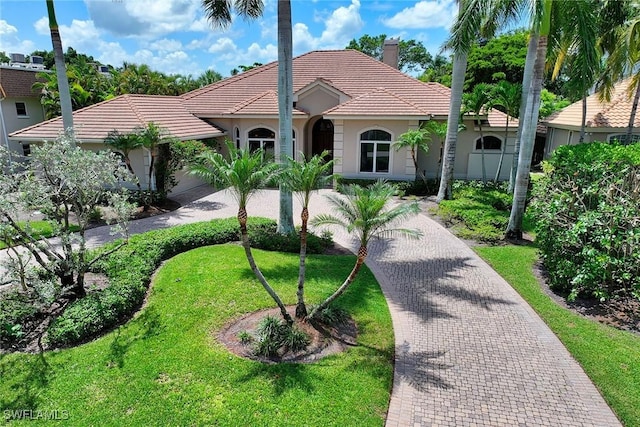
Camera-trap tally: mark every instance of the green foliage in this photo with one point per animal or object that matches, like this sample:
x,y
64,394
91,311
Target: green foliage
x,y
265,236
501,58
550,103
478,211
245,337
275,337
332,315
412,55
173,157
587,209
16,309
129,271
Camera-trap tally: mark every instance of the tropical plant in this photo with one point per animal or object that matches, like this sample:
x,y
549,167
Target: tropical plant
x,y
507,96
303,178
151,136
63,83
415,140
365,212
438,129
476,103
125,144
243,174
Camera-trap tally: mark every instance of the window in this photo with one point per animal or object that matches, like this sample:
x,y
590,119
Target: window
x,y
262,138
236,133
26,150
375,151
21,109
490,143
621,138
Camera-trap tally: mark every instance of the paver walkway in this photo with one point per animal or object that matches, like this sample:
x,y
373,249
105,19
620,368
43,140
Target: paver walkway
x,y
469,349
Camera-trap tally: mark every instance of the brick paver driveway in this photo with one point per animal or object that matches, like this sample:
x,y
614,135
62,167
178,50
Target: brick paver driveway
x,y
469,350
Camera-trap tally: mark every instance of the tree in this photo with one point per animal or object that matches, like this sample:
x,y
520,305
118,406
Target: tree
x,y
64,182
438,129
243,175
412,55
366,213
285,108
476,102
303,178
151,137
208,77
125,144
63,83
439,71
506,96
415,140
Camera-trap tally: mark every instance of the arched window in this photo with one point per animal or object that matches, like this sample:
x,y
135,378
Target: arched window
x,y
262,138
375,151
236,134
490,143
621,138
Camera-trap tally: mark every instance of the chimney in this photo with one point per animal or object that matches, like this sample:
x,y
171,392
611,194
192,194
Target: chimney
x,y
390,52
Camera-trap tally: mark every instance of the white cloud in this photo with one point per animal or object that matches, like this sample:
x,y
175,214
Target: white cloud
x,y
424,14
10,42
42,26
6,28
166,45
223,45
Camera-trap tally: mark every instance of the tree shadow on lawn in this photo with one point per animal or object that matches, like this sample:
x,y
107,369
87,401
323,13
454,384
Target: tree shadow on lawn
x,y
282,376
34,376
127,335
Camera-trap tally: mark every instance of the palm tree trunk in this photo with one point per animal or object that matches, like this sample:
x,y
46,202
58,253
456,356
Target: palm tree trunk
x,y
457,84
484,168
242,220
514,228
301,308
61,70
526,83
504,148
583,124
285,107
415,164
632,117
362,255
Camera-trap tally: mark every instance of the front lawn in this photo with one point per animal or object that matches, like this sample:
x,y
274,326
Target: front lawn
x,y
166,368
40,230
610,357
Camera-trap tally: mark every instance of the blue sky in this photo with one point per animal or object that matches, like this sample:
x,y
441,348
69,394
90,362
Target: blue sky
x,y
174,37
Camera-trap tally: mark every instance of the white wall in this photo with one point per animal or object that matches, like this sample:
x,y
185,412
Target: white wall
x,y
13,122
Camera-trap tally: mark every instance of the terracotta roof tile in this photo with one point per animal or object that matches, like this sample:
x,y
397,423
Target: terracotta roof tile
x,y
613,114
379,102
17,82
125,113
265,103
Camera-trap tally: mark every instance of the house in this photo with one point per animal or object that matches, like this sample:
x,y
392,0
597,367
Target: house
x,y
344,101
19,105
606,121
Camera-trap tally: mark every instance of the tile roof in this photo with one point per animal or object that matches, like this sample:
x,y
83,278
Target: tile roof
x,y
17,82
265,103
613,114
379,102
125,113
349,71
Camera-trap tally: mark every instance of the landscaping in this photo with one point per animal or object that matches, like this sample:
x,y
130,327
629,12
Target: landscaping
x,y
165,367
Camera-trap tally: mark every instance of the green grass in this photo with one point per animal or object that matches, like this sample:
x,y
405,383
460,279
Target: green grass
x,y
40,230
610,357
165,367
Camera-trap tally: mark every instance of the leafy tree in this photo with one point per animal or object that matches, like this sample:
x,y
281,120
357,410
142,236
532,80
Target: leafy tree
x,y
438,129
506,96
64,182
243,174
151,137
415,140
4,59
439,71
208,77
303,178
125,144
412,55
500,58
245,68
366,213
550,103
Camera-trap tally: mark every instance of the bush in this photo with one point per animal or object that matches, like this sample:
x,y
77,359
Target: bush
x,y
16,309
130,268
274,335
587,209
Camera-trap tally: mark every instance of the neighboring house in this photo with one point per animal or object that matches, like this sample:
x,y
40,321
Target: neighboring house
x,y
19,104
606,121
344,101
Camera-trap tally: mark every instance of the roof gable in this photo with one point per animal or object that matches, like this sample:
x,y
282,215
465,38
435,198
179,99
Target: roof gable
x,y
18,82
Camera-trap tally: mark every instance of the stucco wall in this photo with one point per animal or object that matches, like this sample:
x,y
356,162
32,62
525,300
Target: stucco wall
x,y
12,122
317,100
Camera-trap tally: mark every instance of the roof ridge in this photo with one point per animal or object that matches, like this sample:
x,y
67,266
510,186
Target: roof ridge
x,y
250,101
404,100
134,108
377,89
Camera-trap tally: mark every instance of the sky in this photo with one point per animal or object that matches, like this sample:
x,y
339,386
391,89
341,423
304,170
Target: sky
x,y
173,36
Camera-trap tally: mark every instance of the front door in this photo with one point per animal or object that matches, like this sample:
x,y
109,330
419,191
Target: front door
x,y
322,138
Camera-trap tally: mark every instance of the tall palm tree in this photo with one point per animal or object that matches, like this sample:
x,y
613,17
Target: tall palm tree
x,y
303,178
150,137
476,102
124,143
506,95
415,140
365,212
438,129
243,175
285,107
61,70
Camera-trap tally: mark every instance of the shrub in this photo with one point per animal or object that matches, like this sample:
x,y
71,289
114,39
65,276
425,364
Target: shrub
x,y
587,209
16,309
332,315
265,236
274,335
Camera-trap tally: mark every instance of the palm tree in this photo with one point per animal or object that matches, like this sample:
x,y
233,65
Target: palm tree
x,y
365,212
506,95
415,140
124,143
243,175
438,129
151,137
303,178
285,107
61,70
476,102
